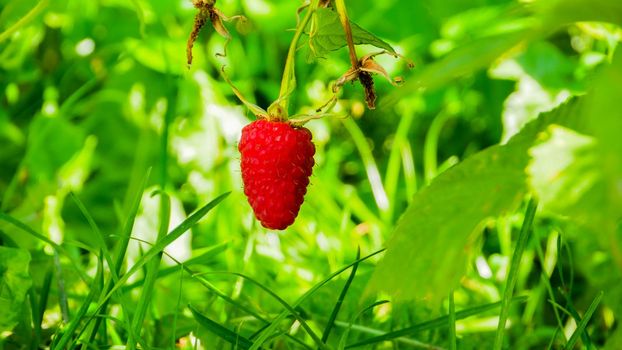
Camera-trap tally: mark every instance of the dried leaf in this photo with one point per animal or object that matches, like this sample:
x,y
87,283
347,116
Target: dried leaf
x,y
199,21
371,66
368,84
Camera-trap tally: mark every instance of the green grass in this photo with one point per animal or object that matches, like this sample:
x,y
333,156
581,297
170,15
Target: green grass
x,y
123,221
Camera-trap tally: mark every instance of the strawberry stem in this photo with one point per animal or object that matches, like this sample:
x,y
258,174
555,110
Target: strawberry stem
x,y
278,110
345,22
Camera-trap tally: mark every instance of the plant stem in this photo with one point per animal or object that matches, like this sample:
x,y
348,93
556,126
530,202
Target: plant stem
x,y
513,273
31,15
452,321
345,22
279,108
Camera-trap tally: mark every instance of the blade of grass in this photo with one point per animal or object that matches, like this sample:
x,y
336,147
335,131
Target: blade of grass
x,y
121,249
60,284
220,294
410,342
37,314
30,16
585,337
152,270
371,169
349,195
344,336
165,208
546,280
201,259
391,177
265,334
106,253
430,148
161,244
69,330
410,172
431,324
242,307
281,301
523,237
179,294
208,285
451,322
586,319
342,296
237,340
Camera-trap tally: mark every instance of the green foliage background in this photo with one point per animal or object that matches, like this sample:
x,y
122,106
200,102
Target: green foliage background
x,y
108,139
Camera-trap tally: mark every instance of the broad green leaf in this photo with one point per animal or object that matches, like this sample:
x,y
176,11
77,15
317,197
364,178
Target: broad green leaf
x,y
561,12
327,34
427,254
578,173
428,251
565,166
480,53
14,284
51,144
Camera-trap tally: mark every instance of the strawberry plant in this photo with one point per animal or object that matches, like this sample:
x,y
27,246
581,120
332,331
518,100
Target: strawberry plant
x,y
241,174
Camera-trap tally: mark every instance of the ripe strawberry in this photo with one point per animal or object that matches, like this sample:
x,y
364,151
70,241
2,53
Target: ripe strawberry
x,y
277,160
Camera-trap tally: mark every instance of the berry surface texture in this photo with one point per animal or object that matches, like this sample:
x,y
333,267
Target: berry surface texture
x,y
276,163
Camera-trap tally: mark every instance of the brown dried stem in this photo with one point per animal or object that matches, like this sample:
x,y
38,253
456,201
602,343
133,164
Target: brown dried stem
x,y
364,77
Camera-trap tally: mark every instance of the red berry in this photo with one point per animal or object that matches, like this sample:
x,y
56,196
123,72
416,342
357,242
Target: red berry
x,y
277,160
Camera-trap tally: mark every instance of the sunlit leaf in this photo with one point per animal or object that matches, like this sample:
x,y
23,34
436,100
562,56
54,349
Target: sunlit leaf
x,y
565,166
328,35
14,283
428,251
578,173
427,254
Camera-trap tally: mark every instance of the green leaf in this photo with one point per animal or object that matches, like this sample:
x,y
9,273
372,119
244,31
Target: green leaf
x,y
160,55
265,333
577,172
68,333
561,12
428,251
427,254
462,61
161,244
586,318
439,322
482,52
14,284
564,167
342,295
52,143
327,35
230,336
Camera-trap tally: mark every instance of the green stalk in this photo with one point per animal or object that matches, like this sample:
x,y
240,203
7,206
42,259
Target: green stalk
x,y
452,321
165,209
345,22
279,108
30,16
430,148
513,273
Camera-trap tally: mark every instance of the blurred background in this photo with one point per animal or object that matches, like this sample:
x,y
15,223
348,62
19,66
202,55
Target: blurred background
x,y
88,88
